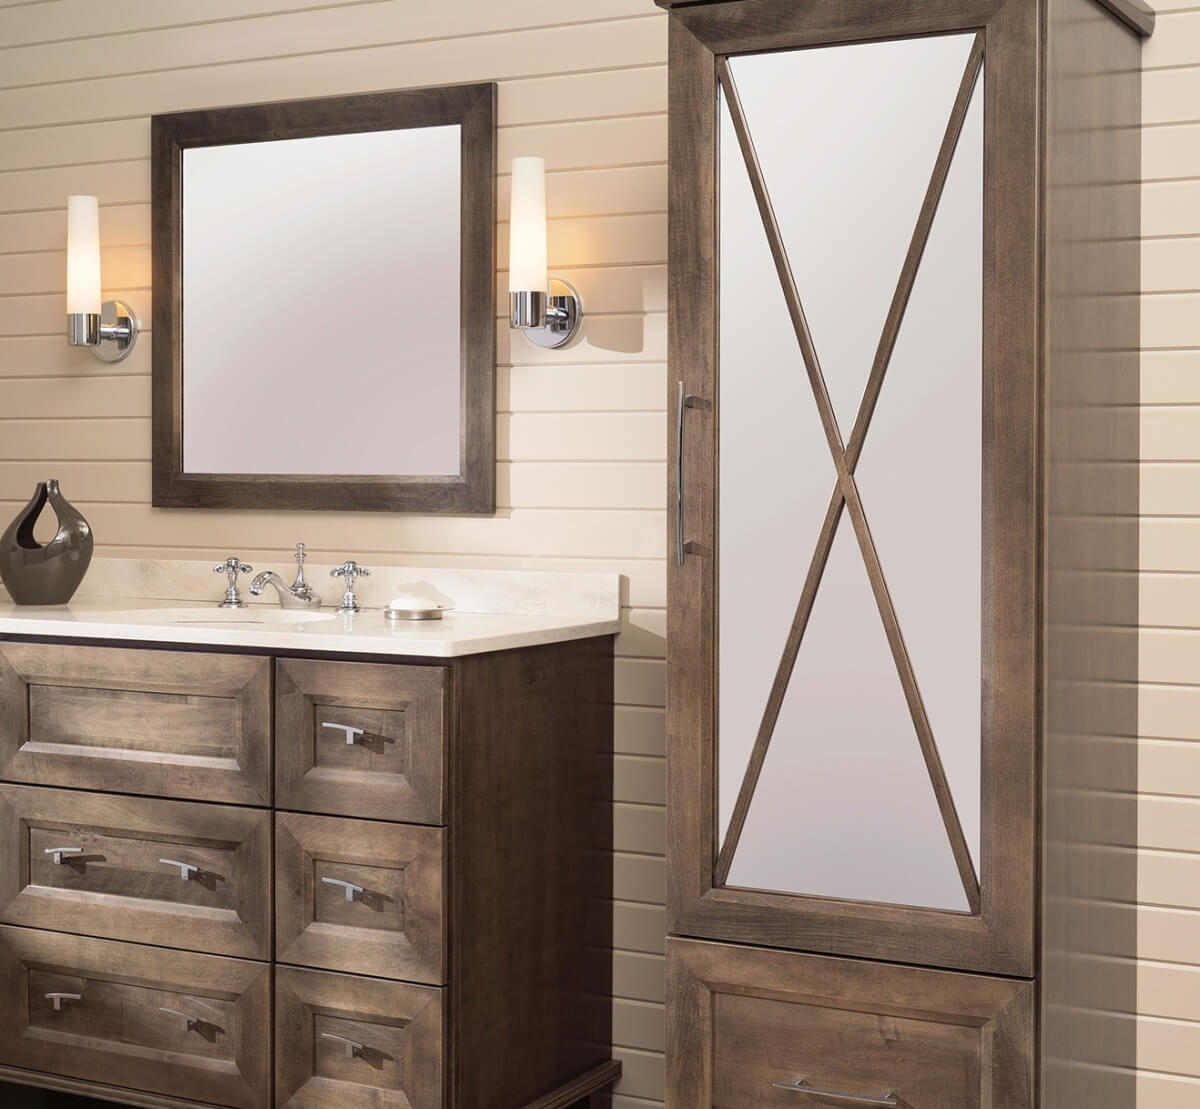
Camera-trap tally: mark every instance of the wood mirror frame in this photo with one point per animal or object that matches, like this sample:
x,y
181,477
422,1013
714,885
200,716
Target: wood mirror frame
x,y
473,488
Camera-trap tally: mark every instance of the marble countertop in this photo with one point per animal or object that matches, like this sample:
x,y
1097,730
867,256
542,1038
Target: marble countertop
x,y
267,626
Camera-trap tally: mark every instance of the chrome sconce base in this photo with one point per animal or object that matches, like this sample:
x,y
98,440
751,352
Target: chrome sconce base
x,y
110,334
548,321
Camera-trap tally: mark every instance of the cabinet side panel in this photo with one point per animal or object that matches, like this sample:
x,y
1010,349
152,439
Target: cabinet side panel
x,y
1092,279
531,827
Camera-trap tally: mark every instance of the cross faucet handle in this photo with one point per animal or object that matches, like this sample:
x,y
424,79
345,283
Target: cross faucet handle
x,y
349,571
231,567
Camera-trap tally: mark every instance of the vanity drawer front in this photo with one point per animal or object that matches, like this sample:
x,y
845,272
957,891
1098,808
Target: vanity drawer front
x,y
344,1042
360,896
849,1033
170,723
361,739
115,883
117,1032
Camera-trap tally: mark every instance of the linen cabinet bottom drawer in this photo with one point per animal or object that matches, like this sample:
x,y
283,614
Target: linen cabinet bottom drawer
x,y
753,1027
342,1042
166,1022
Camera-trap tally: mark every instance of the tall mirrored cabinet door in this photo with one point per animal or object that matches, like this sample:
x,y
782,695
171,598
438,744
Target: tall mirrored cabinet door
x,y
842,636
844,451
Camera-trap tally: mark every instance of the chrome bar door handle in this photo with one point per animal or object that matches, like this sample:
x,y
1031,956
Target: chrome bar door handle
x,y
350,888
801,1086
190,1023
682,547
351,734
56,999
186,870
59,852
353,1048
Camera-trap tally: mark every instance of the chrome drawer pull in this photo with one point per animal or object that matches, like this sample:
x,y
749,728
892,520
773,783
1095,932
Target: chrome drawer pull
x,y
800,1086
56,999
59,852
354,1049
186,870
350,888
352,734
190,1023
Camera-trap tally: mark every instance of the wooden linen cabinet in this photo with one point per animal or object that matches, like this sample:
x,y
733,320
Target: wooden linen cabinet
x,y
904,262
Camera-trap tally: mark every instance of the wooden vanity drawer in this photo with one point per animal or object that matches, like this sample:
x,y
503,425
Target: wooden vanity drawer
x,y
344,1042
360,739
117,1032
113,881
170,723
854,1033
360,896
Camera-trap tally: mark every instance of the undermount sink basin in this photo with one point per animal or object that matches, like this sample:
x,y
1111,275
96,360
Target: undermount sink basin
x,y
223,617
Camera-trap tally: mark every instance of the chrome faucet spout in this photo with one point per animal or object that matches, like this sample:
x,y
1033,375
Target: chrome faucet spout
x,y
298,595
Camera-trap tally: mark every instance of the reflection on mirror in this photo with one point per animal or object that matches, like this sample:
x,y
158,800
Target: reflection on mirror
x,y
324,315
869,743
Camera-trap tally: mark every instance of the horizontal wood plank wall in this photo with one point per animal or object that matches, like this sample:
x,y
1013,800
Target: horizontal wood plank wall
x,y
582,432
1168,800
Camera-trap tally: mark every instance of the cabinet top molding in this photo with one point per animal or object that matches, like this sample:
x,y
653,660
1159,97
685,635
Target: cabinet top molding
x,y
1135,13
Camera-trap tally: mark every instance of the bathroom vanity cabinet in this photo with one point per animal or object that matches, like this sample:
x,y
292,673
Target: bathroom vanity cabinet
x,y
904,267
249,877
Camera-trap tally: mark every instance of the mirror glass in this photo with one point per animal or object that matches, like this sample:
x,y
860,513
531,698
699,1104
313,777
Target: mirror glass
x,y
324,303
335,268
847,206
845,805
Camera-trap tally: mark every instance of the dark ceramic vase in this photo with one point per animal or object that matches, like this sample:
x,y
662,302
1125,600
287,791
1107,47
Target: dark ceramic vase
x,y
49,574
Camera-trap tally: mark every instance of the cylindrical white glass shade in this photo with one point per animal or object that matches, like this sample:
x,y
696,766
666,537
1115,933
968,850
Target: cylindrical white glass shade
x,y
83,255
527,235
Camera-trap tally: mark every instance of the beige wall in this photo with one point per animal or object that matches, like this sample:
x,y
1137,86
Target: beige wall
x,y
1168,1023
581,432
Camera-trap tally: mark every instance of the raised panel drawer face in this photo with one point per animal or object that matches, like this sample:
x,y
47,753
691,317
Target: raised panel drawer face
x,y
360,896
344,1042
111,878
168,723
360,739
168,1022
773,1028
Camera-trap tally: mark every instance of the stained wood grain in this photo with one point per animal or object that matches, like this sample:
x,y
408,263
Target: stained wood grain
x,y
396,770
117,887
116,1034
169,723
393,928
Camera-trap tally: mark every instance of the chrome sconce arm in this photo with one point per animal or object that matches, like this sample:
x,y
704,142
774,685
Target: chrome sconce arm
x,y
110,333
548,319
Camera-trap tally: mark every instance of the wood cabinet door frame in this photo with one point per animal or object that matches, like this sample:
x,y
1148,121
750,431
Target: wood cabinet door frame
x,y
999,937
1000,1011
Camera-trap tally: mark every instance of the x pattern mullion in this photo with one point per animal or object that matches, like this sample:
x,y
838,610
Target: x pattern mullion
x,y
845,493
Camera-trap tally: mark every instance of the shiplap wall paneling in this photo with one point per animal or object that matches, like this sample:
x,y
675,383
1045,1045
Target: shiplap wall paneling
x,y
581,432
1168,800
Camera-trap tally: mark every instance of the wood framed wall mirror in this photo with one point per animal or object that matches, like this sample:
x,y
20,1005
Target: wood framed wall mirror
x,y
324,312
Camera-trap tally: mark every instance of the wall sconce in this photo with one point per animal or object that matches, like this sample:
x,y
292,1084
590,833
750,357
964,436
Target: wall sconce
x,y
110,328
548,311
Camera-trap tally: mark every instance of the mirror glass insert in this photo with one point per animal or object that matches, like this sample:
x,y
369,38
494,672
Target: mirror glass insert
x,y
847,176
333,264
847,805
773,452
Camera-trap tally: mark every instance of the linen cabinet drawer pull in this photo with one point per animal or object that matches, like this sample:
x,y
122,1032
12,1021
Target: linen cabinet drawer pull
x,y
59,852
190,1023
354,1049
186,870
350,888
56,999
800,1086
352,734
